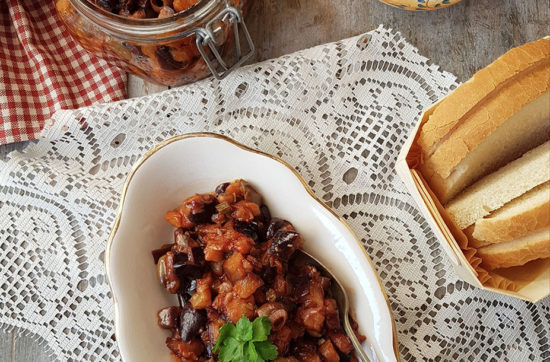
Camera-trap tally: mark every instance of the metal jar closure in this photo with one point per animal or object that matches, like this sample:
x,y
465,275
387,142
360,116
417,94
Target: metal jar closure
x,y
199,37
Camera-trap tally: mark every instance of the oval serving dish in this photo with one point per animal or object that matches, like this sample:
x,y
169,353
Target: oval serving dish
x,y
421,4
195,163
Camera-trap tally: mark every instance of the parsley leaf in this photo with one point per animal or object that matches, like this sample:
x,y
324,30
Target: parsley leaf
x,y
250,352
266,350
227,330
231,349
246,342
244,329
261,327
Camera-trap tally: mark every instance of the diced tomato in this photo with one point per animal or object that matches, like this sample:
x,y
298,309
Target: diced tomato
x,y
311,318
328,353
331,314
243,244
245,211
223,239
211,254
237,307
203,295
280,285
342,342
247,286
233,267
189,350
281,339
174,218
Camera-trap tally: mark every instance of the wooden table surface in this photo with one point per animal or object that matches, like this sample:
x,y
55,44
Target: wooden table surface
x,y
461,39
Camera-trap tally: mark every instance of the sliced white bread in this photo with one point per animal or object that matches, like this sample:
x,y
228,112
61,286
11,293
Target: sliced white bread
x,y
519,217
499,114
472,241
496,189
516,252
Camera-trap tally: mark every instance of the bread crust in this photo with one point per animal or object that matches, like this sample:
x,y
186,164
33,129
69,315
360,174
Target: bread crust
x,y
515,253
486,81
499,230
487,116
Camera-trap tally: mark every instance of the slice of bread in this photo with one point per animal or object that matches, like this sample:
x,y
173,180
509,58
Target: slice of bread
x,y
516,252
519,217
525,130
499,114
472,241
494,190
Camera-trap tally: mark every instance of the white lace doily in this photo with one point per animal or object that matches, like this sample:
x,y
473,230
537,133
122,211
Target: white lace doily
x,y
339,113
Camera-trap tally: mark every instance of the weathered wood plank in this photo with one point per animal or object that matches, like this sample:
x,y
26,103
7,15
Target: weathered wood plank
x,y
6,342
461,38
26,348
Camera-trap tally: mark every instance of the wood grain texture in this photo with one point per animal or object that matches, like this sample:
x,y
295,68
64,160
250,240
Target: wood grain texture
x,y
461,39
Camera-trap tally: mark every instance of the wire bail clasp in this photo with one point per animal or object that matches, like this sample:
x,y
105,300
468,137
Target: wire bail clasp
x,y
206,37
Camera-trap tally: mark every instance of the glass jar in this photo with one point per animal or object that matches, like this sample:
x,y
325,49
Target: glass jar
x,y
208,38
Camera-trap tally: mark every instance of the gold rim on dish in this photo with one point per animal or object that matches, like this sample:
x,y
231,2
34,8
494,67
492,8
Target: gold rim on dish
x,y
161,145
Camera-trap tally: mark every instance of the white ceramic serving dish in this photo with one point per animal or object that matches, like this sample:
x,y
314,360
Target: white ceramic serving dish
x,y
197,163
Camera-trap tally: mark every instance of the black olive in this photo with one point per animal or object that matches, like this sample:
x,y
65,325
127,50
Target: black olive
x,y
191,322
275,225
204,217
249,229
180,259
168,318
344,357
268,274
188,271
301,286
265,214
220,189
197,255
283,244
263,222
191,287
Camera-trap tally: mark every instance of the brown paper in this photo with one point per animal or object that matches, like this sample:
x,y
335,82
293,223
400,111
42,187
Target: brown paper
x,y
524,274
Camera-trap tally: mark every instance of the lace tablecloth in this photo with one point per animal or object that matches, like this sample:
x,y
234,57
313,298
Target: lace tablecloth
x,y
339,113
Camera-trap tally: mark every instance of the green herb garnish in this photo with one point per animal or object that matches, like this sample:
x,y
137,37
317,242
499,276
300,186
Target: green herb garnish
x,y
246,342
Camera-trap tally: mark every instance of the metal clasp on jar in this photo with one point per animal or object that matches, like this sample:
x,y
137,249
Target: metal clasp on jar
x,y
210,35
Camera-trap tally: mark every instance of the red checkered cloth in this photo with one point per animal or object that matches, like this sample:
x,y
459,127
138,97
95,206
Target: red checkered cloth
x,y
42,69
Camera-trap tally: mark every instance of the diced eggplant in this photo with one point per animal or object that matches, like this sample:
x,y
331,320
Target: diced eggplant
x,y
192,322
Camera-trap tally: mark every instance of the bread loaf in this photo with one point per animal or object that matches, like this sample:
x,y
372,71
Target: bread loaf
x,y
494,190
521,216
516,252
492,119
